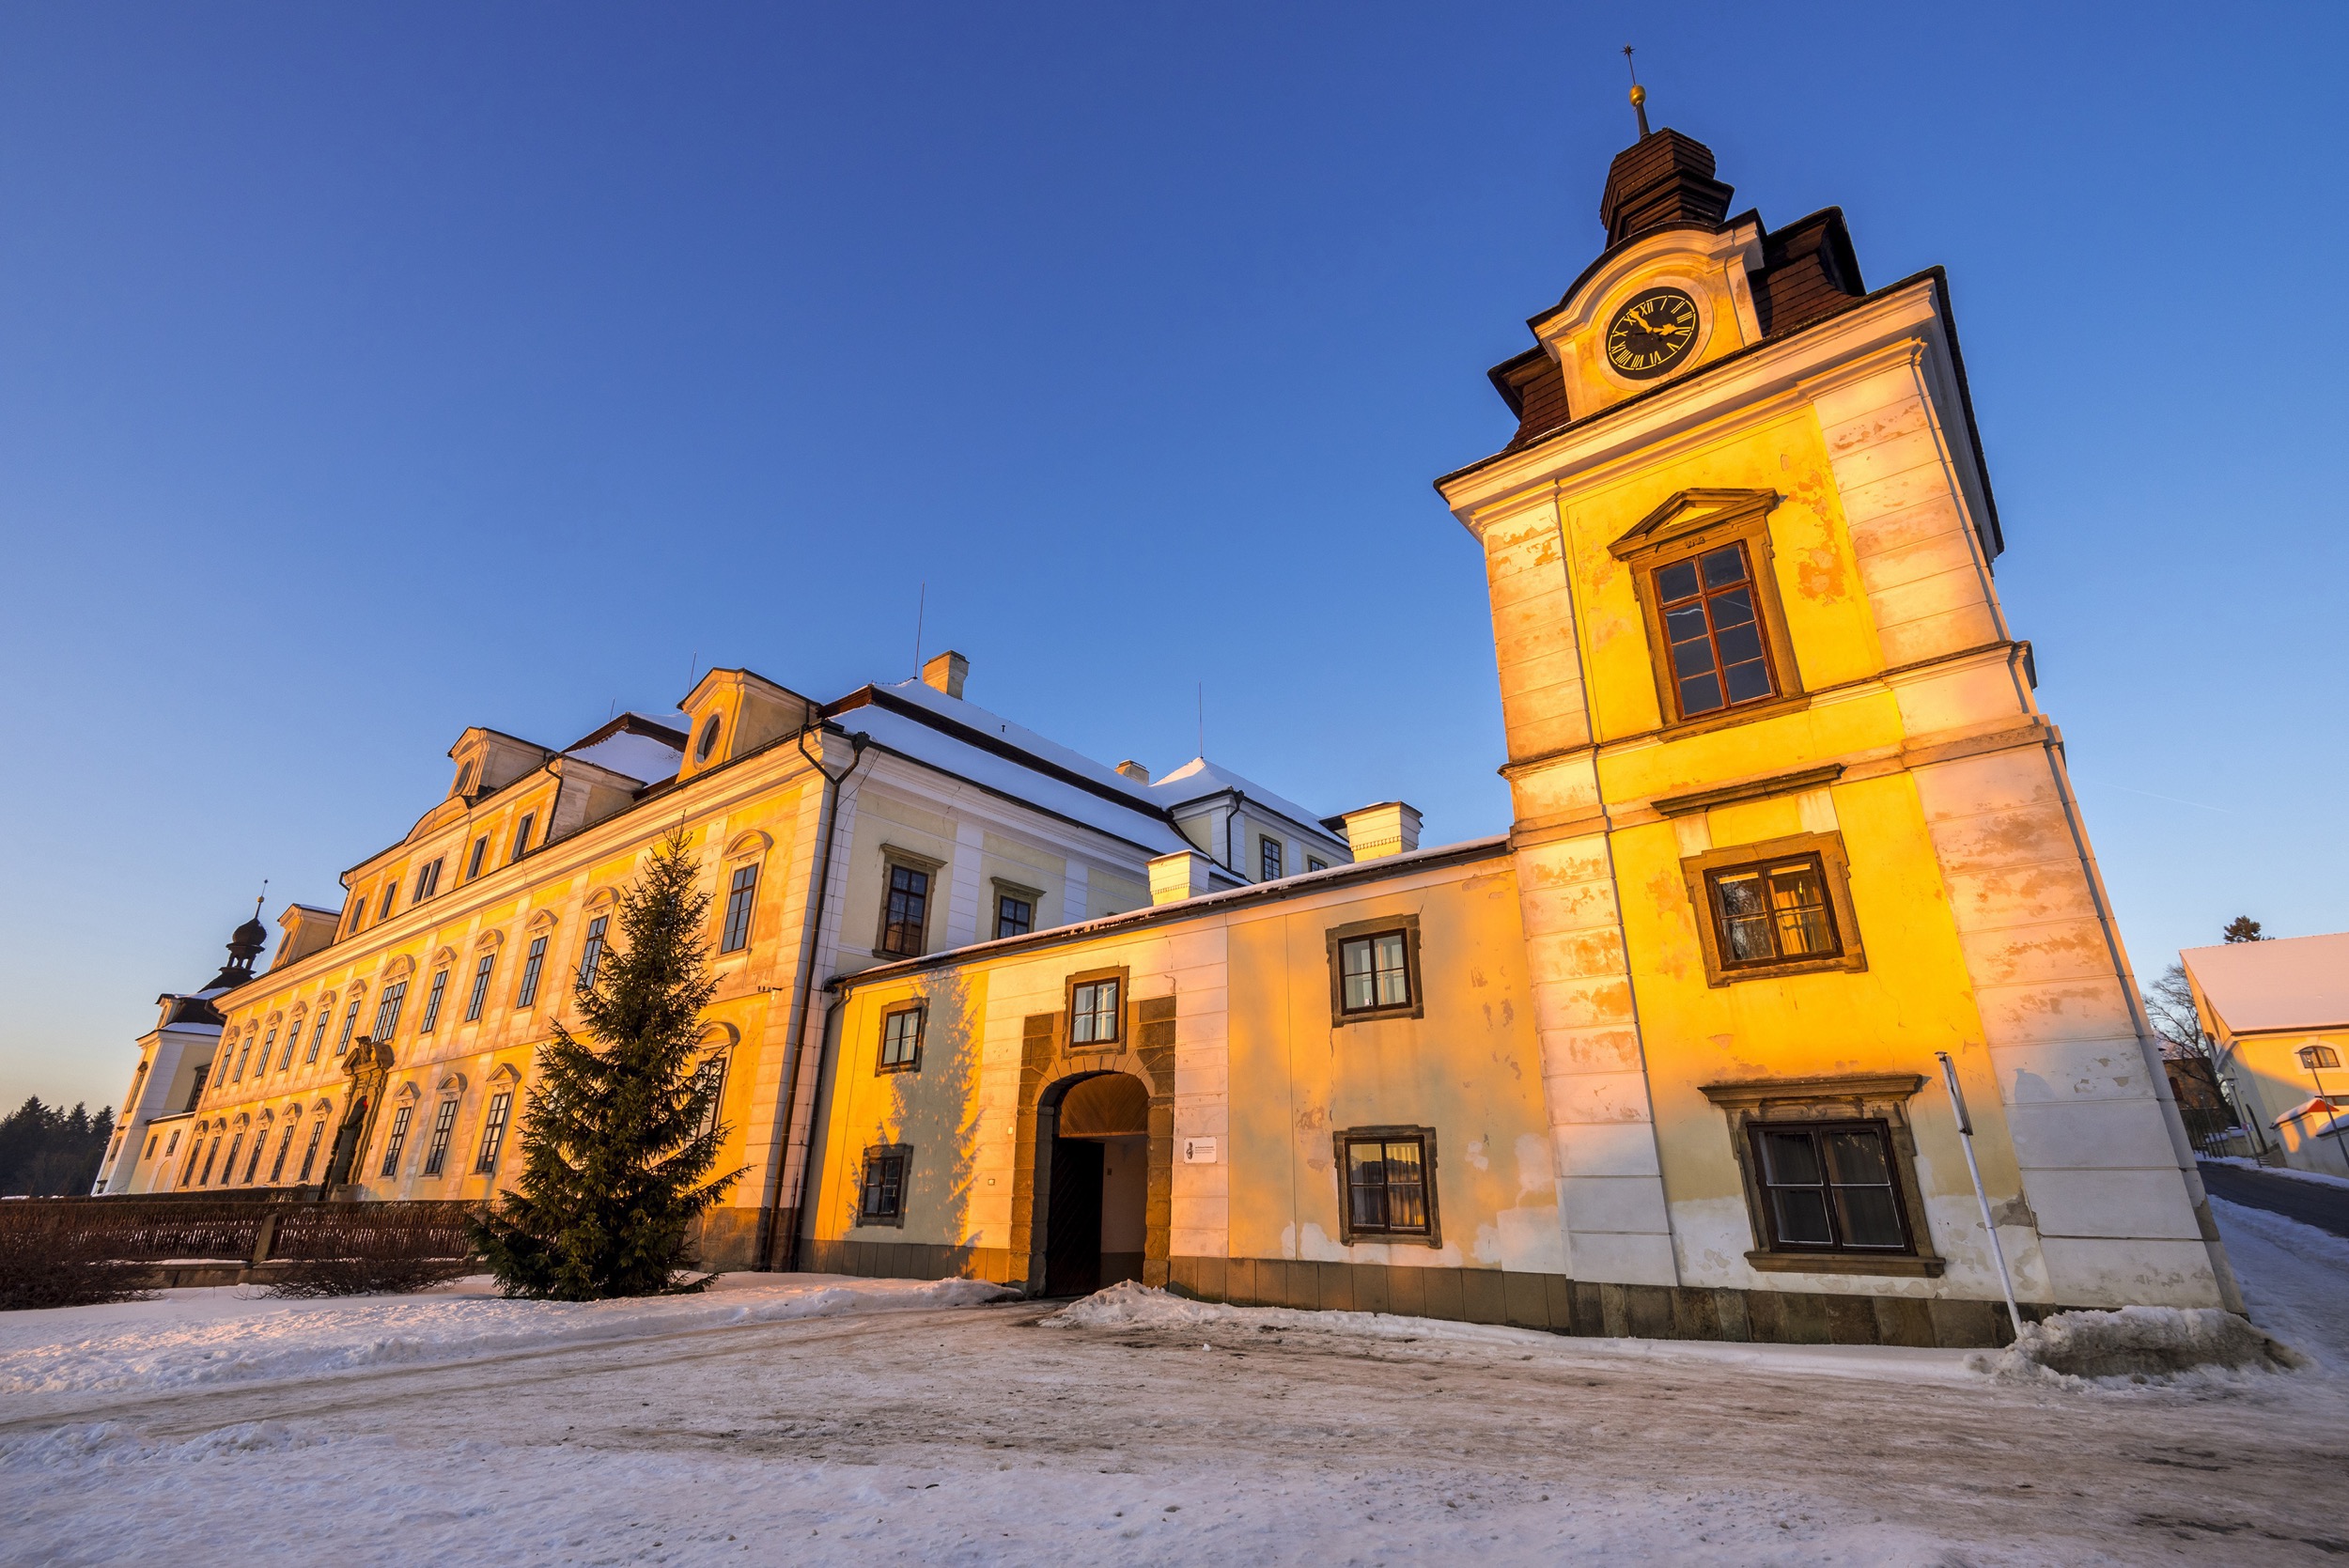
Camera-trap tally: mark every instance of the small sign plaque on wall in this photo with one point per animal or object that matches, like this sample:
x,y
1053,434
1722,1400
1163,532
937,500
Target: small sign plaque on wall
x,y
1198,1151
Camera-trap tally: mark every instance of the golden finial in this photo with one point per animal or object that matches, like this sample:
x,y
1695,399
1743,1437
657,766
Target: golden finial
x,y
1639,93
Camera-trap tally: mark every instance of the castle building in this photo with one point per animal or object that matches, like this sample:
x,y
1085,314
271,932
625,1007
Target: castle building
x,y
382,1053
1788,827
1788,824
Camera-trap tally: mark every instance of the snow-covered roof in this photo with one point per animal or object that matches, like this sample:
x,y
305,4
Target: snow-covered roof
x,y
2291,983
1193,781
1139,823
1287,887
1199,778
956,710
636,756
2319,1107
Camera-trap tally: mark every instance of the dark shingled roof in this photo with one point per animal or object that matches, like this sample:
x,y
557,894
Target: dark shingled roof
x,y
1665,180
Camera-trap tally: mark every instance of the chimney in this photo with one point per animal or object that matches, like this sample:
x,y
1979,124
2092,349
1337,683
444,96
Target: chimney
x,y
945,673
1389,827
1181,874
1134,770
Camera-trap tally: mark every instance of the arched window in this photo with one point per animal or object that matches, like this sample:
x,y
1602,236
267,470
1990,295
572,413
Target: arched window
x,y
708,742
2313,1057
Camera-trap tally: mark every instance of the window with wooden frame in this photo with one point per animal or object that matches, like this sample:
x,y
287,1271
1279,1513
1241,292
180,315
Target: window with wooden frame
x,y
1015,909
1778,908
436,1151
2313,1057
473,861
1374,969
901,1039
1096,1009
387,1010
493,1132
393,1143
1829,1187
1387,1184
1716,634
710,1078
742,899
1268,859
391,897
532,961
1829,1170
427,880
285,1147
882,1195
591,952
480,993
521,837
906,882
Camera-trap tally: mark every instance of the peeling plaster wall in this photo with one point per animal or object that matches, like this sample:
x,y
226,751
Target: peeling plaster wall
x,y
1985,927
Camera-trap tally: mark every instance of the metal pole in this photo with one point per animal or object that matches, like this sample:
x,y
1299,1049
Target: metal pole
x,y
1965,1138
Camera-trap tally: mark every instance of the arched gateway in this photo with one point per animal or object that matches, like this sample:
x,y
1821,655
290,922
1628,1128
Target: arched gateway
x,y
1094,1178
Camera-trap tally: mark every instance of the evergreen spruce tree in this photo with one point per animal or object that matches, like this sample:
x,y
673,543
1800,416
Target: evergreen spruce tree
x,y
616,1166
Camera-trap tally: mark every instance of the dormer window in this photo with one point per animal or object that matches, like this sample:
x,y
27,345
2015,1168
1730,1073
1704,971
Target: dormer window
x,y
709,742
464,780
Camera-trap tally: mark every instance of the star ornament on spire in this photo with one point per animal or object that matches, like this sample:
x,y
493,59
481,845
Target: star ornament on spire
x,y
1639,93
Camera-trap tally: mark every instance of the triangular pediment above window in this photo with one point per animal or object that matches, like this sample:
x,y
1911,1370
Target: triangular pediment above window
x,y
1690,510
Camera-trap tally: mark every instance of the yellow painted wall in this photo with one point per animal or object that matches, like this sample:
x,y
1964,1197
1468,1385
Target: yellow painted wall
x,y
1258,1065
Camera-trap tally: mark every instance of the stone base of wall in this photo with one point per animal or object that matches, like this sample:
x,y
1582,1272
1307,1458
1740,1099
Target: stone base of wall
x,y
1546,1301
728,1239
1583,1306
906,1260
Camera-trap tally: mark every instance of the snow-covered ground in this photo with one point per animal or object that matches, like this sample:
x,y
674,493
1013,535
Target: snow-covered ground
x,y
824,1419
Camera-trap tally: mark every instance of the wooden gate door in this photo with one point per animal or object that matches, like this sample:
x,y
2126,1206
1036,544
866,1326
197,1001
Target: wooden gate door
x,y
1072,1235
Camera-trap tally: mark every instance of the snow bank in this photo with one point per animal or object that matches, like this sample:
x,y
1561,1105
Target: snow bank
x,y
186,1338
2318,1177
1128,1305
2136,1344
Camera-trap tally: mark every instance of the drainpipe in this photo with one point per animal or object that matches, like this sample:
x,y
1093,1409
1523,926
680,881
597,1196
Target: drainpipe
x,y
830,1039
788,1102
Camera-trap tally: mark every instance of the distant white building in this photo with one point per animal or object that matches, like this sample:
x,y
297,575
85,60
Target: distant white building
x,y
175,1057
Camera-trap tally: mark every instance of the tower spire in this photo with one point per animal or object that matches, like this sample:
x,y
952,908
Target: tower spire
x,y
1639,93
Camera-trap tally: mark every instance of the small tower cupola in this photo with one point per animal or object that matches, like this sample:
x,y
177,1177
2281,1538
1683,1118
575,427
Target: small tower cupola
x,y
1662,180
244,945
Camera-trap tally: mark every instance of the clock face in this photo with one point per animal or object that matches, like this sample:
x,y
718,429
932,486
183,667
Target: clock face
x,y
1651,334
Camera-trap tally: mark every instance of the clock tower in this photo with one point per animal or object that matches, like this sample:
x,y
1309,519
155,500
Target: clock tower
x,y
1788,820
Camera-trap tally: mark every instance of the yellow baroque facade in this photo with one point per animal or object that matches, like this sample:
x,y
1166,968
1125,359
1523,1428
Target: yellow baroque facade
x,y
1788,831
1789,828
387,1052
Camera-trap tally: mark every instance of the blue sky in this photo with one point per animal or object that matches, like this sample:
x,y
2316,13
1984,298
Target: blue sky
x,y
371,371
